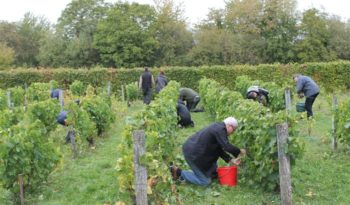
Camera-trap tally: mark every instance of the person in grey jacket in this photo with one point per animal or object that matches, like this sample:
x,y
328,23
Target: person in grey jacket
x,y
308,88
161,81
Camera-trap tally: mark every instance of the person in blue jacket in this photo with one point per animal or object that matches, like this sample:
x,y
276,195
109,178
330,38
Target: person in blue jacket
x,y
55,93
308,88
203,149
62,120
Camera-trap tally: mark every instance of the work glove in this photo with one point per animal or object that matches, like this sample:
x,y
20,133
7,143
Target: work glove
x,y
243,153
235,161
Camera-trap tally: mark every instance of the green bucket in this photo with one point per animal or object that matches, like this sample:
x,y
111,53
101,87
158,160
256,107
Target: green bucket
x,y
300,107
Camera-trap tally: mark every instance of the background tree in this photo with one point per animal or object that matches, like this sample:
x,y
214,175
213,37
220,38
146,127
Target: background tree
x,y
243,19
339,41
52,51
174,40
314,37
278,30
126,37
6,56
75,30
215,45
31,30
9,35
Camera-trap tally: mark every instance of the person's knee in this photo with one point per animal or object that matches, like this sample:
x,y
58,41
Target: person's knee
x,y
204,182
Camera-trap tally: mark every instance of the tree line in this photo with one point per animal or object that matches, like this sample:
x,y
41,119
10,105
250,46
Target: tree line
x,y
92,33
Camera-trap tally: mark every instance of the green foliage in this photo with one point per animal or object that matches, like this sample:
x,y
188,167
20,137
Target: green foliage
x,y
342,119
99,111
77,88
313,46
332,75
53,84
7,55
276,92
17,96
38,92
12,117
256,132
173,37
80,120
45,111
279,30
159,121
339,41
3,99
132,92
78,23
31,30
29,152
126,37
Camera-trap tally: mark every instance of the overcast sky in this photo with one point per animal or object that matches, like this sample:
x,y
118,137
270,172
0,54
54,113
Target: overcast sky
x,y
14,10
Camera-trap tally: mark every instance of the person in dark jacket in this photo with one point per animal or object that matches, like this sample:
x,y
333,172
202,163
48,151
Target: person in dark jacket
x,y
308,88
161,81
184,116
258,94
191,97
203,149
146,82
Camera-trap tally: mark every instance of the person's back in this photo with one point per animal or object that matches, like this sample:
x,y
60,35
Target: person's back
x,y
184,115
61,118
55,93
146,80
259,94
188,94
161,82
206,146
307,85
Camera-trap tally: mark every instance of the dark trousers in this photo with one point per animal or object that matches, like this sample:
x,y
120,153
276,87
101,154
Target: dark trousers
x,y
192,104
185,122
308,104
147,95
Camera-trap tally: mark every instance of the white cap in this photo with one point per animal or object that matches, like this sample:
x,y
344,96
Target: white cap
x,y
231,121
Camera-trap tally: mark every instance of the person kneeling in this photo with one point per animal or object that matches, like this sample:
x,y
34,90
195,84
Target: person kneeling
x,y
183,115
203,149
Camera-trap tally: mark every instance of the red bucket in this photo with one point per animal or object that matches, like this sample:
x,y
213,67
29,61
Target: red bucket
x,y
227,175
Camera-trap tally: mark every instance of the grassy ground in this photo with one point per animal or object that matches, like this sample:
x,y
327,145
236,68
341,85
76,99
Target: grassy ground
x,y
320,177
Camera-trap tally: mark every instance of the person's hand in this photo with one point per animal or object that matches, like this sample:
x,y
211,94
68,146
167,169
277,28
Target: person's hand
x,y
243,153
235,161
301,95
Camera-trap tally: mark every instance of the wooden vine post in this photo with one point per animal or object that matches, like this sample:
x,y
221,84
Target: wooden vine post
x,y
109,89
288,100
140,171
284,165
71,134
334,123
21,188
